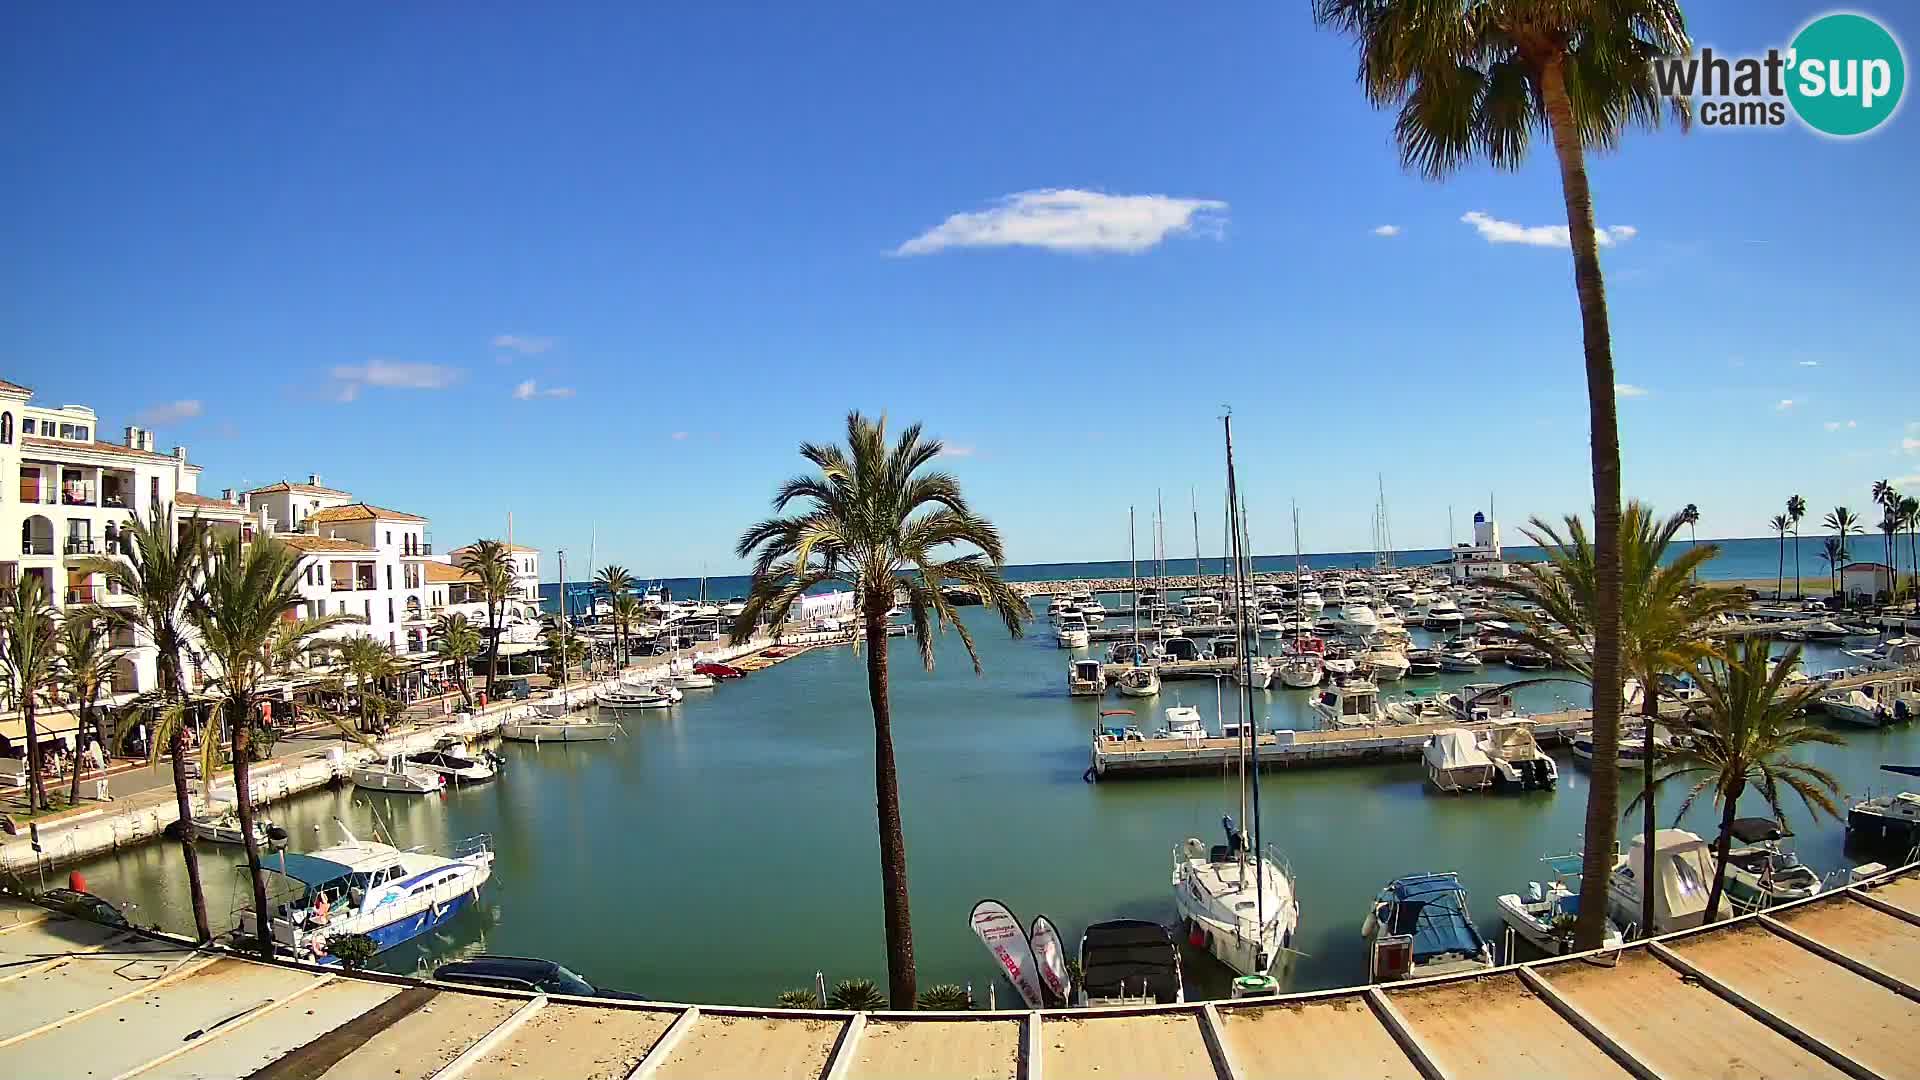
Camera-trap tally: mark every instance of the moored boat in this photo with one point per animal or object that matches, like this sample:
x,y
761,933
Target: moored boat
x,y
1544,917
1129,962
544,729
1086,678
397,775
1455,762
1419,926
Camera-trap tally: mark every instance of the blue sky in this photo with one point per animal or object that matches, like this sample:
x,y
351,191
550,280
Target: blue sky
x,y
306,241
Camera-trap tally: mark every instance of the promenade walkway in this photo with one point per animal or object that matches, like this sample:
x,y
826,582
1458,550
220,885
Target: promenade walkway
x,y
1828,987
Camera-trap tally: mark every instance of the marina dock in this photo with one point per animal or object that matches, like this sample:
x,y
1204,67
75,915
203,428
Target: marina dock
x,y
1116,758
1823,987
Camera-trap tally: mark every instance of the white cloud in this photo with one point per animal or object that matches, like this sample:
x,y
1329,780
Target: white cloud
x,y
1627,389
1387,230
1809,363
523,344
1495,231
1910,445
1068,219
1840,425
529,390
958,450
679,436
169,412
350,379
1785,404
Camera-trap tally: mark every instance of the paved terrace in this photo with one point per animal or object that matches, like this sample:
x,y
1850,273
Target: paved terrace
x,y
1825,988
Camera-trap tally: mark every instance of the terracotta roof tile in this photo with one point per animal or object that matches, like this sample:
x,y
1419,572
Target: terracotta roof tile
x,y
308,489
15,387
360,512
97,447
191,502
303,542
440,573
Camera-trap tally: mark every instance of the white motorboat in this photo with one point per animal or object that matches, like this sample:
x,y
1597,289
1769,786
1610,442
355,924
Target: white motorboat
x,y
396,775
1888,823
1826,630
1477,702
1853,707
1357,620
1387,618
621,694
1518,762
1140,682
1256,672
1091,610
1443,616
1072,632
361,887
1544,917
1632,748
1389,664
682,676
1197,606
1310,602
1419,926
1183,722
457,763
1086,678
546,729
1890,655
1460,659
1129,962
1761,873
1354,703
220,824
1269,624
1684,865
1455,762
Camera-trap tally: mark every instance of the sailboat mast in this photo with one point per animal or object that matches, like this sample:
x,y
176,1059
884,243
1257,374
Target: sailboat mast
x,y
563,618
1251,726
1196,537
1133,565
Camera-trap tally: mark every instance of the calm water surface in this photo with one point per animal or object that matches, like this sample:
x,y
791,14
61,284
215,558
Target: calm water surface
x,y
726,851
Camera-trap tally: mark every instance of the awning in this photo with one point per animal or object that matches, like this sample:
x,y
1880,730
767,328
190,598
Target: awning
x,y
305,869
45,725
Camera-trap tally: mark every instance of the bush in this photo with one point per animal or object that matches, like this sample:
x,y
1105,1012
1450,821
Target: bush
x,y
946,997
352,950
797,999
857,995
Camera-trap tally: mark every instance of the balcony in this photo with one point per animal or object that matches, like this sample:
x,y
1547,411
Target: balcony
x,y
340,586
36,545
82,545
81,594
116,500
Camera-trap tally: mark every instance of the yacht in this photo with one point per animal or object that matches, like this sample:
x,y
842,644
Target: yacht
x,y
1544,917
1422,662
1355,703
1460,658
1072,632
1890,655
1455,762
1760,873
1443,616
452,759
1684,865
1419,926
1139,682
1388,618
1086,678
1888,823
1310,602
1198,606
1257,672
1358,620
1388,664
1239,907
361,887
396,774
1183,722
1827,630
1091,610
1269,624
1300,668
1129,962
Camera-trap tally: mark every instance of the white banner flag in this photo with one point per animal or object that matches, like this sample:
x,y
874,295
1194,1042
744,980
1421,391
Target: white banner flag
x,y
1000,932
1052,958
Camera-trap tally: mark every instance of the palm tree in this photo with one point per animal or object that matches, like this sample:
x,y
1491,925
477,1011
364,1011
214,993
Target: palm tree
x,y
616,583
246,596
1480,78
872,519
456,639
1747,733
1796,509
1834,554
1842,520
568,647
1888,499
1910,518
28,660
370,663
492,563
86,661
1780,524
163,557
1664,616
1690,517
626,613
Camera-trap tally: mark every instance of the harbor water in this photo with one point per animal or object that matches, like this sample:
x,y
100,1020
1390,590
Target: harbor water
x,y
725,850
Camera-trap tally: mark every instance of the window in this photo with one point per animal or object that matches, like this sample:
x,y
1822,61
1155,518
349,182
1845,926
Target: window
x,y
153,490
81,433
389,537
26,426
6,427
389,606
389,577
66,431
343,607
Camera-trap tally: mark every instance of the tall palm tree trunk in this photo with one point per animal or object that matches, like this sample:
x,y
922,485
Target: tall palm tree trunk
x,y
79,742
36,784
1796,563
242,727
901,990
1603,797
182,793
1780,573
493,648
1721,844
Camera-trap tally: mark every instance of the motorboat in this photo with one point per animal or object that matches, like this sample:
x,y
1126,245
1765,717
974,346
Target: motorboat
x,y
220,824
1419,926
1355,703
1632,750
1139,682
546,729
1518,762
1387,618
396,774
1683,865
1476,702
1072,632
1460,658
1890,655
682,674
1269,624
1388,664
1825,630
562,703
1240,907
719,671
1419,707
1358,620
1199,606
1310,602
1455,762
1129,652
1256,672
457,763
1129,962
1888,823
625,695
1182,649
1545,916
1853,707
1761,873
1443,616
1086,678
1529,659
1183,722
361,887
1421,663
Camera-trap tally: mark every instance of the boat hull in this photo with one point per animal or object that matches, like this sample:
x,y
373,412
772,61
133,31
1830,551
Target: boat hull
x,y
594,731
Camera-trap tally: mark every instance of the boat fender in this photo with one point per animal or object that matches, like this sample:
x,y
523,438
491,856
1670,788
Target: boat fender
x,y
1088,775
1195,936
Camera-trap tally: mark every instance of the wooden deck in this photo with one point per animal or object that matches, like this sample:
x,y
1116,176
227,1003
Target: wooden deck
x,y
1823,988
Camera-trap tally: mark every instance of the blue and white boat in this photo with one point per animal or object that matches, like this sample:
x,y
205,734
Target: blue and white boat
x,y
1419,926
361,887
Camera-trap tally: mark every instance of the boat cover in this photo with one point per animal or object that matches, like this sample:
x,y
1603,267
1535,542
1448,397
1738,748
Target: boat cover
x,y
306,869
1132,951
1758,830
1432,908
1454,749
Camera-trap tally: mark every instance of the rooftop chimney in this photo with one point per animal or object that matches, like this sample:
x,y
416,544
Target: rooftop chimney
x,y
138,438
180,453
313,479
226,495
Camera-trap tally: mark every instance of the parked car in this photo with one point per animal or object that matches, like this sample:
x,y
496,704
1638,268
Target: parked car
x,y
523,973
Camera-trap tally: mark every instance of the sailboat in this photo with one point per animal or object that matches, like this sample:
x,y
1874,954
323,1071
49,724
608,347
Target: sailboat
x,y
1236,899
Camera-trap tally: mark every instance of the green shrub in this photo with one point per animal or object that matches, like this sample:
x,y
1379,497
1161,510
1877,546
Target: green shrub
x,y
857,995
352,950
946,997
797,999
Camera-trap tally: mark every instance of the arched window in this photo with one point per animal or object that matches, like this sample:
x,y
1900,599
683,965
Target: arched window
x,y
6,427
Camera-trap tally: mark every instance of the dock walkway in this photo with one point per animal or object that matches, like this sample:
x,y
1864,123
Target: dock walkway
x,y
1826,987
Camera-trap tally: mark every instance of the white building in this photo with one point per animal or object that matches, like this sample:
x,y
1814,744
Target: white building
x,y
1866,579
1479,560
359,559
66,496
526,570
